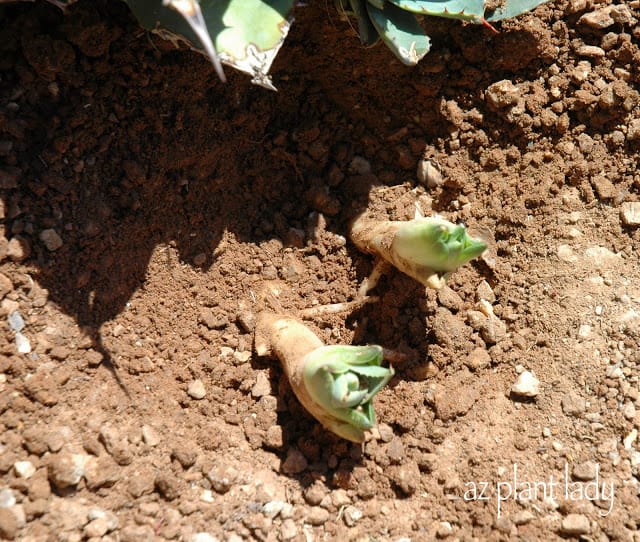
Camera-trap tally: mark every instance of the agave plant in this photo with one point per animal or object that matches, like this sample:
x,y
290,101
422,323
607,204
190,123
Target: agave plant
x,y
395,22
335,383
425,248
247,34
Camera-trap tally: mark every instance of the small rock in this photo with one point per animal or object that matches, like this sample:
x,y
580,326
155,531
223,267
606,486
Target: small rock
x,y
340,498
317,516
213,320
633,130
274,437
24,469
141,483
629,411
630,439
406,477
630,213
491,328
315,493
51,239
444,529
288,530
185,455
66,469
222,477
352,515
203,537
168,486
295,463
566,254
575,525
5,285
116,444
34,439
241,357
585,471
429,173
523,517
150,436
262,386
7,498
477,359
196,389
96,528
484,291
598,19
502,94
386,432
23,345
58,437
101,471
605,189
591,51
395,451
360,166
449,298
573,404
584,331
272,508
18,249
526,385
8,524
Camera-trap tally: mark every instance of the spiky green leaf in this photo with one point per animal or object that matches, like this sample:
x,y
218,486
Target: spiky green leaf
x,y
401,32
246,34
466,10
512,8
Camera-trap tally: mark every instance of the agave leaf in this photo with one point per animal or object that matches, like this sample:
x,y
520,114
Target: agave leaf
x,y
511,8
370,371
356,8
247,34
401,32
466,10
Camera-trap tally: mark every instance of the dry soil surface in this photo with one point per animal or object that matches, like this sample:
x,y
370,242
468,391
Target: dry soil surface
x,y
146,208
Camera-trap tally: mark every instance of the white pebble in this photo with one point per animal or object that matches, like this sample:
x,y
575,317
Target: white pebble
x,y
24,469
206,496
584,331
16,323
196,389
526,385
22,343
630,439
7,498
630,213
272,508
352,515
203,537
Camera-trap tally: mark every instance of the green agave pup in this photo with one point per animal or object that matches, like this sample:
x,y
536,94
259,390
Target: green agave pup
x,y
425,248
335,383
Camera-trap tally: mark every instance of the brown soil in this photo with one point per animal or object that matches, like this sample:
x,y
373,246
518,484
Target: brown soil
x,y
171,201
